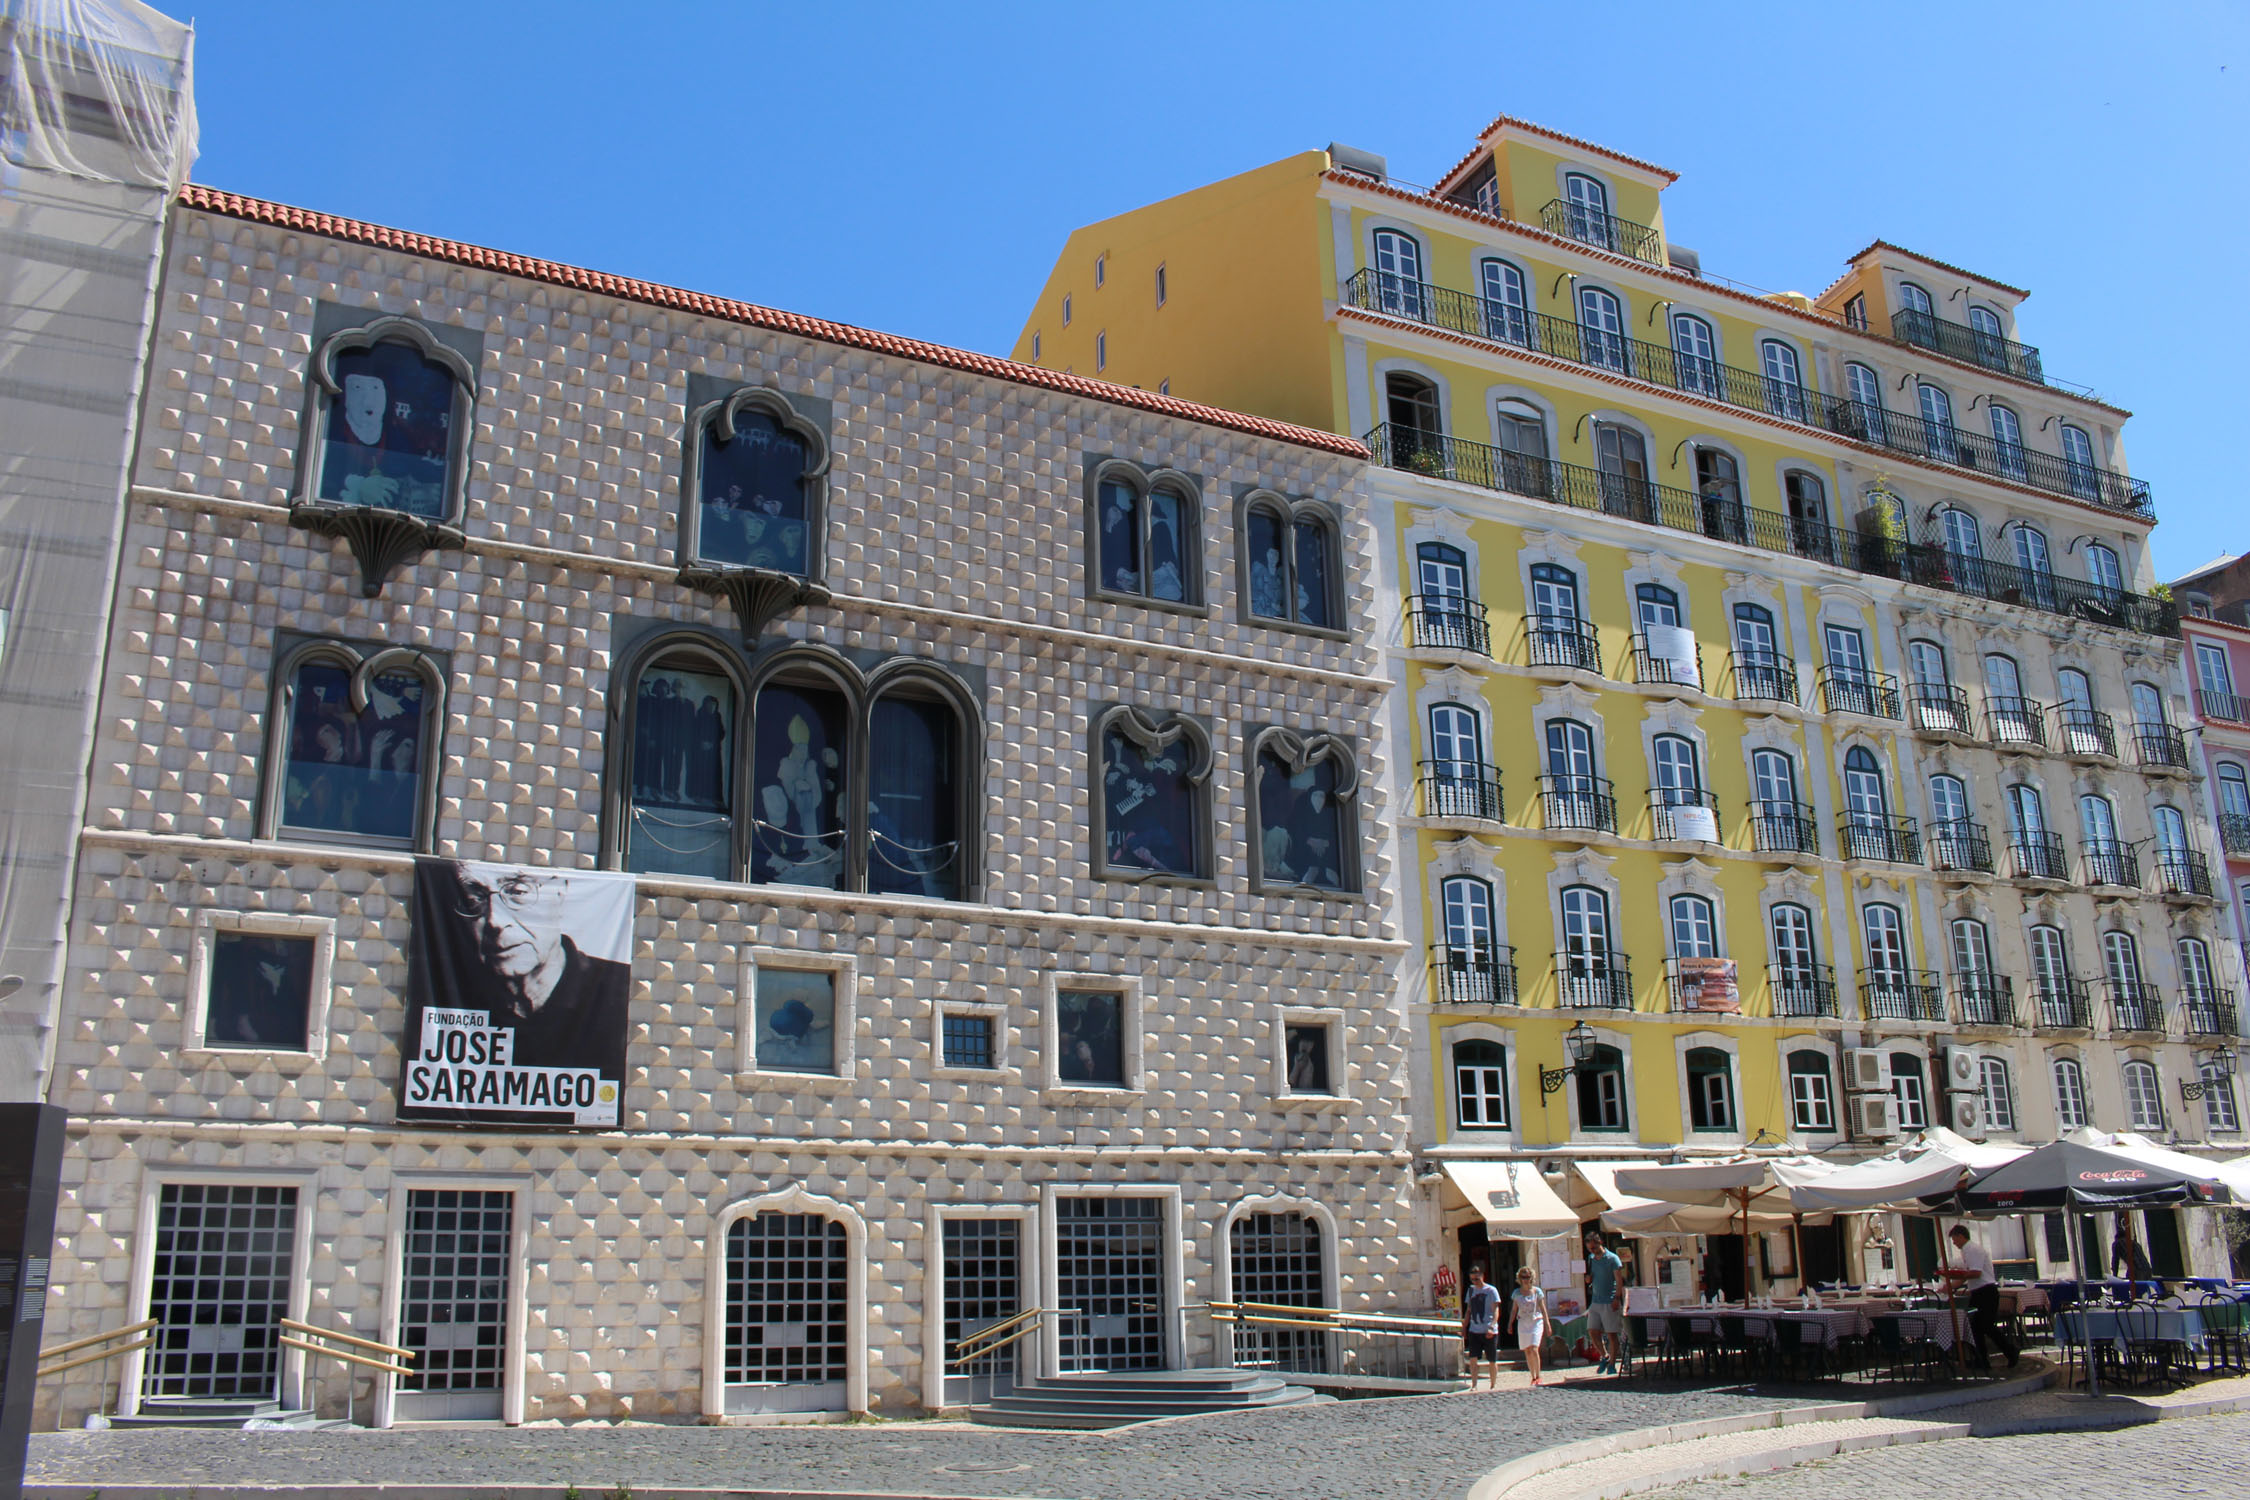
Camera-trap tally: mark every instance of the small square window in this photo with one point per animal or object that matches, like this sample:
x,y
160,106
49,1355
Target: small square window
x,y
796,1017
261,992
1101,269
1307,1062
1160,286
967,1040
1090,1032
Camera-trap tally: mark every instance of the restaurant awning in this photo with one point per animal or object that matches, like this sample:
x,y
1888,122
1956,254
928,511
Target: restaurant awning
x,y
1514,1199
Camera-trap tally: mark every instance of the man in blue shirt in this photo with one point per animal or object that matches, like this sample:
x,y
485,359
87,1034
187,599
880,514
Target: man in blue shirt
x,y
1605,1302
1480,1327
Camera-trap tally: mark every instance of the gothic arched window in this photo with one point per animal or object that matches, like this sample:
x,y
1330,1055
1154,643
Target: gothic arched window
x,y
685,712
1152,813
753,523
1307,828
1290,562
1147,535
356,739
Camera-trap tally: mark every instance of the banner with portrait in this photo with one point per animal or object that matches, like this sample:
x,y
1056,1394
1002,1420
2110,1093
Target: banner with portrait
x,y
516,989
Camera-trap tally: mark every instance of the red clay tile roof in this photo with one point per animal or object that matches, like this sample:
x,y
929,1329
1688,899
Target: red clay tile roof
x,y
1875,245
306,221
1485,135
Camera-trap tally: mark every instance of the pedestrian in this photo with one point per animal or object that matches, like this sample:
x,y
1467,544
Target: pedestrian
x,y
1971,1271
2126,1251
1605,1303
1527,1319
1480,1327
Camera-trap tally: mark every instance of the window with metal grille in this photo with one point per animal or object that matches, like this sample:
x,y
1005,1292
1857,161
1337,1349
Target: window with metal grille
x,y
968,1040
453,1294
1109,1259
785,1312
1277,1260
983,1286
218,1290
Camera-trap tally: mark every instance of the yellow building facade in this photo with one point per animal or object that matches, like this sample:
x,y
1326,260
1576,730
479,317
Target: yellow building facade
x,y
1790,730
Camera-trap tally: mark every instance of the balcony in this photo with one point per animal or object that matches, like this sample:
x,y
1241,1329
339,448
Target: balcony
x,y
1783,828
1683,815
2016,723
1960,341
1600,981
2086,733
2159,747
1869,694
2111,862
1961,846
1462,789
2037,856
2224,708
1763,676
1586,803
1472,974
2212,1012
1576,487
1985,998
1943,443
1575,221
1902,995
1443,622
1802,989
1653,668
2184,873
1940,709
2134,1005
2234,833
2061,1004
1891,839
1562,641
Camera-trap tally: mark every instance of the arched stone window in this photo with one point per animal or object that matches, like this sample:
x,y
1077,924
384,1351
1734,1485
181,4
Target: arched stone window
x,y
916,812
798,782
1147,535
1152,815
1291,562
753,522
1277,1259
354,745
684,747
1306,832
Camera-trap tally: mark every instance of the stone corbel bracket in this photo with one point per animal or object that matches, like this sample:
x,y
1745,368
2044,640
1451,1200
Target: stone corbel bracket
x,y
380,539
759,595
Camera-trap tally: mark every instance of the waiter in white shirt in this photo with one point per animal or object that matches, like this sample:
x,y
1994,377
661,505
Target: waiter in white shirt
x,y
1971,1273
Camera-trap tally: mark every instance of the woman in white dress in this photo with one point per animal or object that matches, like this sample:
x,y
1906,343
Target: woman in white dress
x,y
1527,1317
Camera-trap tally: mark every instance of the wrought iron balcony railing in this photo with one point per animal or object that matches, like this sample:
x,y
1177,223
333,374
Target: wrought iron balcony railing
x,y
1590,226
1802,989
1940,708
1764,676
2212,1012
1960,341
2184,872
1895,839
1593,981
2160,747
2227,708
1683,813
2015,721
2037,856
1671,671
1473,973
1580,802
1783,828
2134,1005
2085,732
2234,832
1902,994
1462,789
1984,998
1562,641
1579,488
1848,691
1447,622
2111,862
1960,844
1944,443
2061,1004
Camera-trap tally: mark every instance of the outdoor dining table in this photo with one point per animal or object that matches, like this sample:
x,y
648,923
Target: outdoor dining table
x,y
1835,1323
2167,1325
1933,1324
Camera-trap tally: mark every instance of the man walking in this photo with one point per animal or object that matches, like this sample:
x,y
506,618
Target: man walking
x,y
1480,1327
1605,1303
1972,1272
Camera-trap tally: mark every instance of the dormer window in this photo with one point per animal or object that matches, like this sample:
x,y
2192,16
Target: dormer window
x,y
1855,312
1587,203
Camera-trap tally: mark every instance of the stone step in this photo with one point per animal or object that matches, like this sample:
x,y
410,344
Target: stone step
x,y
220,1414
1099,1401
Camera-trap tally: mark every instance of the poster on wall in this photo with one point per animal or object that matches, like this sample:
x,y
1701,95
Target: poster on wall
x,y
515,995
1708,984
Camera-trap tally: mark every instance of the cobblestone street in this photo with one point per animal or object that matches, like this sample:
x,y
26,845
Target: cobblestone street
x,y
1421,1448
2193,1456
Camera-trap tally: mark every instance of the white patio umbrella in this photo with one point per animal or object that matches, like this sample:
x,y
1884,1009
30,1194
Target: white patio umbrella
x,y
1927,1167
1733,1184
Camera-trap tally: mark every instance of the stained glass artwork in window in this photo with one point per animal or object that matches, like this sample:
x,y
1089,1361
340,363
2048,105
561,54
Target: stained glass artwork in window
x,y
1301,823
1090,1037
796,1016
683,747
1167,545
1149,806
1121,537
1269,566
261,991
1308,1058
798,823
354,771
1312,574
754,496
913,814
389,434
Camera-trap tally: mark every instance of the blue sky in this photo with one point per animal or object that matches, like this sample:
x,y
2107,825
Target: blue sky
x,y
915,167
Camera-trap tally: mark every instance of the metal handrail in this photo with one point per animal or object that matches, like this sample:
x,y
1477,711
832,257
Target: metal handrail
x,y
312,1347
963,1354
1329,1317
1960,844
111,1337
1602,230
346,1338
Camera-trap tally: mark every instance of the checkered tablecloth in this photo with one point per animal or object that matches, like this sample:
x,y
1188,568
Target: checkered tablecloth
x,y
1835,1323
1934,1324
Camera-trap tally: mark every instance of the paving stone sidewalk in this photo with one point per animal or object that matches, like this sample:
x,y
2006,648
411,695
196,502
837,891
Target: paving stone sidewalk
x,y
1401,1448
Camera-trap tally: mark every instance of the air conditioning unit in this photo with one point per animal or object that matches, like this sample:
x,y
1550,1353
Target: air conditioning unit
x,y
1963,1073
1867,1071
1874,1116
1966,1112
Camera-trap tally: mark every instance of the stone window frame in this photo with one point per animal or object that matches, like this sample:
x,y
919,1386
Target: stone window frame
x,y
1297,752
1172,1235
793,1199
1282,1201
1332,1020
1620,1040
843,970
516,1298
1029,1265
1152,734
758,594
363,660
1683,1043
1003,1069
1143,480
382,539
1131,1034
1503,1037
1803,1042
319,994
861,691
1291,513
